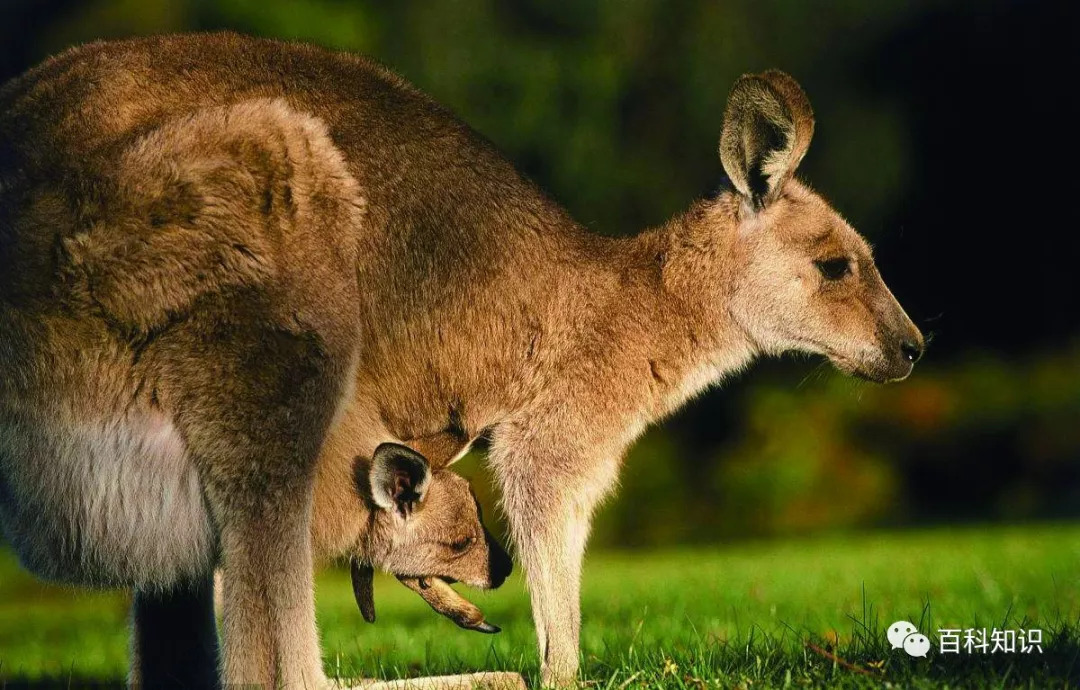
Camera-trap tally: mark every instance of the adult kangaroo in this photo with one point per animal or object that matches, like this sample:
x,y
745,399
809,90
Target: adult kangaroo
x,y
349,264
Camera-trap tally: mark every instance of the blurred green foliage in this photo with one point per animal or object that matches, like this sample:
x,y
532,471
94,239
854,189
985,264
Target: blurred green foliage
x,y
615,107
834,453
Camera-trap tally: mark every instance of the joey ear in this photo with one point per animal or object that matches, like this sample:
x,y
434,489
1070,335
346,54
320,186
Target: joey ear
x,y
399,478
768,124
363,587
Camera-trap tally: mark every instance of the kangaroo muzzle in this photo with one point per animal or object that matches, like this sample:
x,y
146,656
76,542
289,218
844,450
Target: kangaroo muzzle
x,y
902,345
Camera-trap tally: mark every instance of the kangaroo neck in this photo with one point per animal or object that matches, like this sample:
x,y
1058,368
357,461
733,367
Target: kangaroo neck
x,y
650,311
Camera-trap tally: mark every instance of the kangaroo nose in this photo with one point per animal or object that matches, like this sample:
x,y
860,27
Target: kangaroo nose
x,y
911,350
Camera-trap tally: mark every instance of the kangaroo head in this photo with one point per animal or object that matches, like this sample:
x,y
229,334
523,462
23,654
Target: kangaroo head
x,y
426,521
795,275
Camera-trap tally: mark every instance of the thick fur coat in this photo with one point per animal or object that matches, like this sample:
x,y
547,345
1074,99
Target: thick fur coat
x,y
245,261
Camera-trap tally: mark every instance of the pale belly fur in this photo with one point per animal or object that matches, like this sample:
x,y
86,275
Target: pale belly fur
x,y
103,503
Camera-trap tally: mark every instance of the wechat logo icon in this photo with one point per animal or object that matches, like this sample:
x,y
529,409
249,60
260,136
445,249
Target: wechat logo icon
x,y
903,635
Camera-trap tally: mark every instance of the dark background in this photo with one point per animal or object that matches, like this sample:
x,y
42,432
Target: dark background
x,y
947,133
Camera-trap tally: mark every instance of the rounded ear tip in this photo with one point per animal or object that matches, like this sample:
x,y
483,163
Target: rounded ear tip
x,y
790,90
777,75
390,449
386,447
781,84
747,81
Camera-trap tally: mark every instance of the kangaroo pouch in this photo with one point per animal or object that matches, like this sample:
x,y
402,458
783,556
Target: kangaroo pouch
x,y
103,503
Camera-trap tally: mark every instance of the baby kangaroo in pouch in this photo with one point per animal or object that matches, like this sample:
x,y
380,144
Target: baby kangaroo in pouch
x,y
229,265
427,529
422,523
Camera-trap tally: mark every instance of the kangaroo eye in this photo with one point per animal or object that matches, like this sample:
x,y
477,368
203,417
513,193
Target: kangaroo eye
x,y
834,269
462,545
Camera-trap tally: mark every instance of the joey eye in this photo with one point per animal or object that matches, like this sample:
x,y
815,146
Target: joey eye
x,y
462,545
834,269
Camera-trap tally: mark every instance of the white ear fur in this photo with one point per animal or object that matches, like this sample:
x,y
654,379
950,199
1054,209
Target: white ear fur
x,y
399,478
768,124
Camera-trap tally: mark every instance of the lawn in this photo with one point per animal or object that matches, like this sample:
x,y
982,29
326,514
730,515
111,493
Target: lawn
x,y
807,612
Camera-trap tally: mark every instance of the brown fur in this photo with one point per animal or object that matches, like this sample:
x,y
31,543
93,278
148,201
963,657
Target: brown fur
x,y
379,272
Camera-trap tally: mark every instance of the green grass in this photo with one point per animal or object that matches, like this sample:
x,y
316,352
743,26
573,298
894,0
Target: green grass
x,y
739,615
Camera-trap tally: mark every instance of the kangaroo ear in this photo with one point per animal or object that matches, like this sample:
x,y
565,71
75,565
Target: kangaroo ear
x,y
768,124
363,587
399,478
